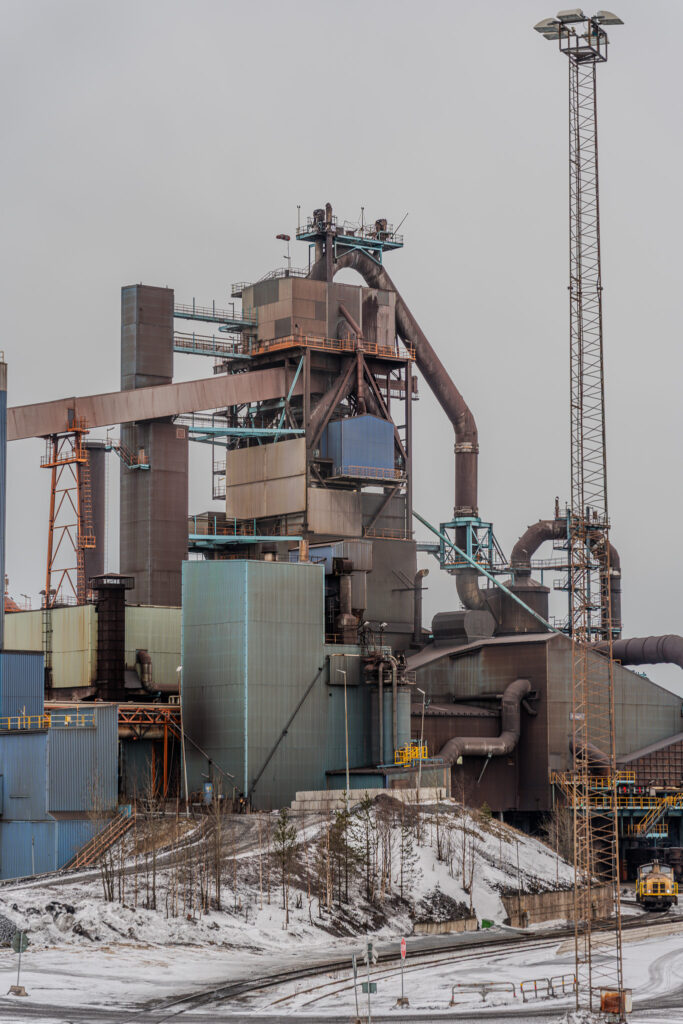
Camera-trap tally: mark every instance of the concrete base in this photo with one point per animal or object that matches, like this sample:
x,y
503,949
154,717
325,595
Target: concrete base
x,y
403,1002
17,990
534,908
463,924
324,801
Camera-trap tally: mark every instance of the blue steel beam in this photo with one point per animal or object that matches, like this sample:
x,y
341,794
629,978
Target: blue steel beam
x,y
489,576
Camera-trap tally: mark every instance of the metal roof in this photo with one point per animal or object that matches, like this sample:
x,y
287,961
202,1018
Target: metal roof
x,y
651,749
432,653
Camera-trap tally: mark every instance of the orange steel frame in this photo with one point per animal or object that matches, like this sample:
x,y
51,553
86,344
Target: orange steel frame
x,y
70,531
140,718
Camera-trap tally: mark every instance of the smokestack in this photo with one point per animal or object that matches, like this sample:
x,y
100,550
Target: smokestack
x,y
3,487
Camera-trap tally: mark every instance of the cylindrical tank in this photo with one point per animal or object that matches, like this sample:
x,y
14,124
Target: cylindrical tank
x,y
403,706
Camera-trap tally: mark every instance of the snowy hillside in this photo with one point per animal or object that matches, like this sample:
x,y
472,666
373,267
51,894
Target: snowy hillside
x,y
260,881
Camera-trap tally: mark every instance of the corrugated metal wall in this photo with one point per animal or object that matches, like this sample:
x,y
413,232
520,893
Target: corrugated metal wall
x,y
83,764
72,834
23,766
252,644
136,768
74,642
22,683
359,441
27,847
157,631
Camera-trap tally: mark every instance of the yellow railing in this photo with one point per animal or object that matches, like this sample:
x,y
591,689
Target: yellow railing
x,y
410,753
329,345
51,720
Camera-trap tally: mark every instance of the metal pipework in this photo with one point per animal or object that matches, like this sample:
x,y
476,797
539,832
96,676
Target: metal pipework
x,y
144,660
556,529
446,394
647,650
459,746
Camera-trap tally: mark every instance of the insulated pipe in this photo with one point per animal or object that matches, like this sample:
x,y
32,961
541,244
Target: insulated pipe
x,y
394,701
556,529
492,746
445,392
647,650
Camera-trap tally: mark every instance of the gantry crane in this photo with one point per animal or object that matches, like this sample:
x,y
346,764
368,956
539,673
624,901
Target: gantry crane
x,y
584,42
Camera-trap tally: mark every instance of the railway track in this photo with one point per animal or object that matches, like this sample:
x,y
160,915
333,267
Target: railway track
x,y
172,1009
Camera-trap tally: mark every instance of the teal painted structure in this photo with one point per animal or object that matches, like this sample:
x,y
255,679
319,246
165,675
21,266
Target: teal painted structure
x,y
252,646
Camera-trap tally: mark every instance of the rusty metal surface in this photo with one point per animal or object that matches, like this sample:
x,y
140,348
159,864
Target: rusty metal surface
x,y
147,403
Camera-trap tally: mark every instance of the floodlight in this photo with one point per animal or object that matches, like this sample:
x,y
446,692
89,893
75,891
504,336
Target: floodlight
x,y
547,25
607,18
573,15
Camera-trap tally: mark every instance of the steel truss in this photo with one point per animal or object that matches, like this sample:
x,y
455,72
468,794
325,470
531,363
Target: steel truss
x,y
70,531
596,857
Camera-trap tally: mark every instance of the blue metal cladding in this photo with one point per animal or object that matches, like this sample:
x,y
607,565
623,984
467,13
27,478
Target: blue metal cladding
x,y
359,442
136,767
21,683
23,766
83,764
72,834
27,847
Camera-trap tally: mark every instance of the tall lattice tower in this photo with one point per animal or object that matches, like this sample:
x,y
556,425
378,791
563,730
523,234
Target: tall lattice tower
x,y
70,531
584,42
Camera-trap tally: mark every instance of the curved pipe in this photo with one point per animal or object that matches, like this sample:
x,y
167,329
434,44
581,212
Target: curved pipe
x,y
446,394
489,746
647,650
556,529
143,659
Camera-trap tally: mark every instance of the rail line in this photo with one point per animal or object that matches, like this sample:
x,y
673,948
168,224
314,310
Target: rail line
x,y
174,1008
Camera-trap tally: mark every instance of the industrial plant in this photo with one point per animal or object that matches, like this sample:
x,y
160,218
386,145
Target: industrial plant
x,y
278,646
273,648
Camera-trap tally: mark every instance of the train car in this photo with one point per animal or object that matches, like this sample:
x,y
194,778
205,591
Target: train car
x,y
656,888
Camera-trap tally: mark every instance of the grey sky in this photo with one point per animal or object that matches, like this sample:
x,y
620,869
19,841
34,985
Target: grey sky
x,y
168,142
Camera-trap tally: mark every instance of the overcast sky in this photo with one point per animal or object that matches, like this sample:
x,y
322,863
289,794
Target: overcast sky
x,y
168,142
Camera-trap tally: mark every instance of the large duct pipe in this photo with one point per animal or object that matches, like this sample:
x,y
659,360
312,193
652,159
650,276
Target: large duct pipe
x,y
646,650
3,490
447,395
144,660
481,746
556,529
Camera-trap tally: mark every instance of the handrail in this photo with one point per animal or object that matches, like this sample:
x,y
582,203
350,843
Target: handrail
x,y
51,720
483,988
330,345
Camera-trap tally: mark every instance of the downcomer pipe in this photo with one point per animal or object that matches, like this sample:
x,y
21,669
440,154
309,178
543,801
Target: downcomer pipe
x,y
556,529
445,392
647,650
490,746
145,662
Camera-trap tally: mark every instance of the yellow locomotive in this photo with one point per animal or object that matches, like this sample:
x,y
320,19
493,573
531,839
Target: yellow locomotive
x,y
656,888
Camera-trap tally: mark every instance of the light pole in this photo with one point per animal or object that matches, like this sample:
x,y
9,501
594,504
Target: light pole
x,y
346,735
422,734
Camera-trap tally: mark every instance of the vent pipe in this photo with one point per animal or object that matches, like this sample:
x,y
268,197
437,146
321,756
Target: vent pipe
x,y
647,650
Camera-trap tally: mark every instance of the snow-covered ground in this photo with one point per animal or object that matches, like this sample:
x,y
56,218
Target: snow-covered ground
x,y
88,952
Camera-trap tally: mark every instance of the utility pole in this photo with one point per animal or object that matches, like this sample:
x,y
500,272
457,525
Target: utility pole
x,y
584,42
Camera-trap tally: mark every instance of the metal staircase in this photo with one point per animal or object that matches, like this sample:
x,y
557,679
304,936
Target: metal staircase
x,y
99,844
